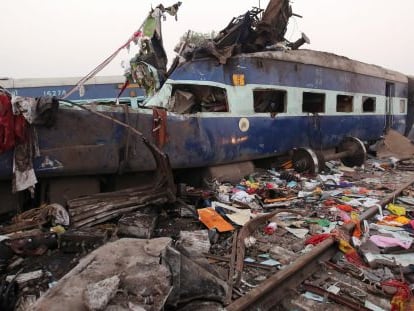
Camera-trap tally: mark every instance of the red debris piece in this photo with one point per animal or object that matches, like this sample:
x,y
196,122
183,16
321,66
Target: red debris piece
x,y
318,238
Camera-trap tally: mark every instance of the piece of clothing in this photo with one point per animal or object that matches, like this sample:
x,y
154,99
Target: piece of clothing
x,y
401,297
37,111
383,241
345,208
318,238
394,220
27,112
25,106
24,176
396,209
12,128
6,124
350,253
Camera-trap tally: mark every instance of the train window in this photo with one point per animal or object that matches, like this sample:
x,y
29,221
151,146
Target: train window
x,y
368,104
344,103
402,106
313,102
191,98
273,101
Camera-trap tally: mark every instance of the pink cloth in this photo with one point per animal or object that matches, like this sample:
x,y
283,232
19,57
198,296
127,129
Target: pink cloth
x,y
384,241
344,216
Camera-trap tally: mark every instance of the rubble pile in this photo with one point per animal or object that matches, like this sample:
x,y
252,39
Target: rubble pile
x,y
217,243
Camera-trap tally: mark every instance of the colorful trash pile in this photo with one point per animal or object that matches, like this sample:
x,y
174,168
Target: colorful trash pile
x,y
235,237
305,210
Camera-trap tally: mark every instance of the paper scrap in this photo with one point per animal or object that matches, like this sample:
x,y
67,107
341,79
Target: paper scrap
x,y
271,262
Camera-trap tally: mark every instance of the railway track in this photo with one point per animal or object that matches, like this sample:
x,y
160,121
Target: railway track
x,y
270,294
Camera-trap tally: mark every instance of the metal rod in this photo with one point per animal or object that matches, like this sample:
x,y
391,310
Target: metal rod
x,y
253,298
338,155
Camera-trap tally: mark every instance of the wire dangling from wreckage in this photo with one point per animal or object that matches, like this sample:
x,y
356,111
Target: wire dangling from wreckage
x,y
148,35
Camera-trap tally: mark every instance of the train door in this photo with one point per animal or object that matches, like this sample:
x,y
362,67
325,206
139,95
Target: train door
x,y
389,94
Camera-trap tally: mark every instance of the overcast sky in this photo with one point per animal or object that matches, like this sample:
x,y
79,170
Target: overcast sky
x,y
62,38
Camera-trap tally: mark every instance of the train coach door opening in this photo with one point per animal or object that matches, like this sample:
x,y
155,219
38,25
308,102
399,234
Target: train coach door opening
x,y
389,94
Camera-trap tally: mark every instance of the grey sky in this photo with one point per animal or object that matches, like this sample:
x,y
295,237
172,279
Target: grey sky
x,y
57,38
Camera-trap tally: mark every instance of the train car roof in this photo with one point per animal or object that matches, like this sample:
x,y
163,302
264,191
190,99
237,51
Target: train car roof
x,y
330,60
58,81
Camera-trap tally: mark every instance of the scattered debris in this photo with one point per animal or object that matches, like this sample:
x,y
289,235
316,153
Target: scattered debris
x,y
394,145
138,225
97,295
309,233
244,236
99,208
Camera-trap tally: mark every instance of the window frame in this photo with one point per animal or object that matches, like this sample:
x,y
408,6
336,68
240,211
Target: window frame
x,y
364,98
184,87
403,106
351,103
324,95
279,90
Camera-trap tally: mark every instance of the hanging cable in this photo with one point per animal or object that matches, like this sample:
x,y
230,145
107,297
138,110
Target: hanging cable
x,y
102,65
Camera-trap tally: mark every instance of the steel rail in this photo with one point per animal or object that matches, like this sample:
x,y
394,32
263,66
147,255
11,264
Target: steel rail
x,y
274,289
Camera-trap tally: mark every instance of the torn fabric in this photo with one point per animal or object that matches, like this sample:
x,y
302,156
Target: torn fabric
x,y
36,111
24,176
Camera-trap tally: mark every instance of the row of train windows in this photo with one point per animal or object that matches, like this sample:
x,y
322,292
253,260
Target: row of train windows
x,y
188,98
275,101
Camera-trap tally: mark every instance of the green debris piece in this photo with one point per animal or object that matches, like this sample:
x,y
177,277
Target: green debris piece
x,y
320,222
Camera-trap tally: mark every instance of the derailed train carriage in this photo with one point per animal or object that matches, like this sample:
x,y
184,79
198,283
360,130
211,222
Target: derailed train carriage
x,y
219,109
104,89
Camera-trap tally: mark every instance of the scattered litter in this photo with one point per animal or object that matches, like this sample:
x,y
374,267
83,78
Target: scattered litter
x,y
271,262
383,241
270,228
372,306
211,219
248,259
396,209
299,233
334,289
312,296
249,241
